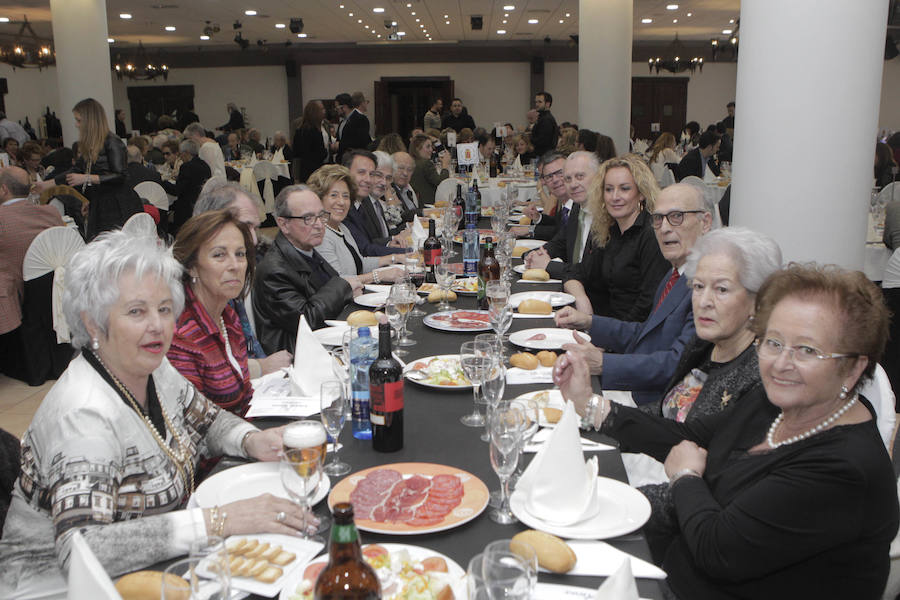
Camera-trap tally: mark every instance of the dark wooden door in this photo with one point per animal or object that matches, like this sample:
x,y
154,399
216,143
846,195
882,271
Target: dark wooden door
x,y
157,100
660,100
401,102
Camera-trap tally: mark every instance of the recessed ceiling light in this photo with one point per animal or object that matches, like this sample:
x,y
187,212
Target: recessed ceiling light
x,y
726,32
413,13
568,15
204,37
506,15
504,21
645,21
124,15
373,31
250,13
501,31
170,28
561,21
110,40
408,6
446,16
731,20
378,9
366,26
421,26
532,21
509,7
359,20
393,23
671,7
690,14
401,33
446,22
674,20
301,35
279,25
350,14
425,31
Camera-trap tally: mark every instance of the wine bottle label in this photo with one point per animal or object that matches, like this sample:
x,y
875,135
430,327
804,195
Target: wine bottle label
x,y
387,398
344,534
376,419
432,256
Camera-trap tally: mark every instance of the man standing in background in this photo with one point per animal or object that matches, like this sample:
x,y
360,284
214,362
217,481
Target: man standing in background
x,y
545,133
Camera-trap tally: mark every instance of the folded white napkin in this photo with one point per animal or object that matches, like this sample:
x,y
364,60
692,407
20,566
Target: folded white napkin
x,y
599,559
543,434
278,156
643,470
515,375
297,407
417,234
559,486
312,363
87,577
620,586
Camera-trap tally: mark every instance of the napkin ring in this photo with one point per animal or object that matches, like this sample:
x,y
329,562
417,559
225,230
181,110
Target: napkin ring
x,y
593,403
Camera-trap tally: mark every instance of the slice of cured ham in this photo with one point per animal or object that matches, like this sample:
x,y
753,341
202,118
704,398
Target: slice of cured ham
x,y
384,496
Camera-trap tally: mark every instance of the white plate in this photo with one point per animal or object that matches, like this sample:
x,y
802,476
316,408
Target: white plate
x,y
556,299
457,574
248,481
554,340
530,244
438,321
334,336
555,400
378,288
411,364
621,509
371,300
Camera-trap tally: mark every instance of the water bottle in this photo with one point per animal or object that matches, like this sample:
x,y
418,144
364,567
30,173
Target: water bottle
x,y
470,251
473,212
363,351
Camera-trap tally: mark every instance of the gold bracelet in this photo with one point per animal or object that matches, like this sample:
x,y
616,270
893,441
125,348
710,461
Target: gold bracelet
x,y
217,521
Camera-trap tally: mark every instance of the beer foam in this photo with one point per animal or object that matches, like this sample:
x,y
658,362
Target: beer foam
x,y
303,436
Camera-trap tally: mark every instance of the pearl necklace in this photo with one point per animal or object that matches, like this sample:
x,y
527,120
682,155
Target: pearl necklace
x,y
802,436
181,458
224,331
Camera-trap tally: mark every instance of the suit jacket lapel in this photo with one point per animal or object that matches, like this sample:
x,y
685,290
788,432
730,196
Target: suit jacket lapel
x,y
676,295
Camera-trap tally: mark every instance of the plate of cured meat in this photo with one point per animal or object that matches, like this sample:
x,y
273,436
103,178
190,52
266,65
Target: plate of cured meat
x,y
459,320
411,498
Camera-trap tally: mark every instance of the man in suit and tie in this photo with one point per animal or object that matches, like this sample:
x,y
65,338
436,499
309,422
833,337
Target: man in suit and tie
x,y
293,279
641,357
353,131
362,218
404,165
573,233
552,169
698,160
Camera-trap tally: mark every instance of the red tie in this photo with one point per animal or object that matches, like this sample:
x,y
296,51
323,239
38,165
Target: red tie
x,y
669,285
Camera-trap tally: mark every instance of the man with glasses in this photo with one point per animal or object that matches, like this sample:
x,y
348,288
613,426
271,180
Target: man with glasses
x,y
641,357
293,279
552,169
369,237
404,165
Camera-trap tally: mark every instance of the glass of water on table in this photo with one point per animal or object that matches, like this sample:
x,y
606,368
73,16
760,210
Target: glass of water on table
x,y
475,359
333,403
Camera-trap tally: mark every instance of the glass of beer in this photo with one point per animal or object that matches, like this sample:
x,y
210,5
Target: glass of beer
x,y
304,444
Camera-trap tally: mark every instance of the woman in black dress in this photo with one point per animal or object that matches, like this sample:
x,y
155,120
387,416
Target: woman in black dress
x,y
309,140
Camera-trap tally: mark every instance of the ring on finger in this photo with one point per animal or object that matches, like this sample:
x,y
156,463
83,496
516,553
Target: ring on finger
x,y
280,516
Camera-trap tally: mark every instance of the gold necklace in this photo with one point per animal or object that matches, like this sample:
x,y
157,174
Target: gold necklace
x,y
181,458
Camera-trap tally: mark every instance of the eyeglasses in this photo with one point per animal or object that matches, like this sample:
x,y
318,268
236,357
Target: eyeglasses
x,y
675,217
771,348
310,220
549,176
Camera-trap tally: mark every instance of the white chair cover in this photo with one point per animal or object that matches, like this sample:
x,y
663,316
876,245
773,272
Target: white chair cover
x,y
667,178
140,224
878,391
265,170
891,277
49,251
153,193
446,190
889,193
88,579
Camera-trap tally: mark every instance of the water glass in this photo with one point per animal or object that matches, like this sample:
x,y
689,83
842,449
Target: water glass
x,y
189,584
475,359
445,278
492,390
532,410
499,310
506,426
395,320
509,569
404,297
334,405
475,585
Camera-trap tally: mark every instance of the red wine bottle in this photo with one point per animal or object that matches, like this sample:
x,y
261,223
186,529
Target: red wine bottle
x,y
432,252
386,396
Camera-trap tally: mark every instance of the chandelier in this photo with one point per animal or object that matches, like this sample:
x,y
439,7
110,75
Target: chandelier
x,y
676,59
27,50
141,65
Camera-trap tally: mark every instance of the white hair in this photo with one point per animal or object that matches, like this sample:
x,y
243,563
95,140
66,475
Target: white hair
x,y
384,159
592,158
93,274
756,255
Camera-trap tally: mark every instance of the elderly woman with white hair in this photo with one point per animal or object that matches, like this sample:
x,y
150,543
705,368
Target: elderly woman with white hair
x,y
112,450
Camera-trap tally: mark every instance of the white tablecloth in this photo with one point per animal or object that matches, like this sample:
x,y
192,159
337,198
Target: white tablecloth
x,y
490,192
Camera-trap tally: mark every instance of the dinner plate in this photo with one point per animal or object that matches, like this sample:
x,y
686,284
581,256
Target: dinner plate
x,y
378,288
331,336
621,509
466,286
474,500
455,573
530,244
554,399
371,300
556,299
419,364
554,338
459,320
248,481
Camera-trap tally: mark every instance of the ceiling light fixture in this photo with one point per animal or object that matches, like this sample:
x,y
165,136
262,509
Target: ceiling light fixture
x,y
204,37
296,25
27,50
124,15
501,31
690,14
731,21
561,21
111,40
378,9
170,28
4,19
532,21
726,32
674,20
568,15
646,21
671,7
446,22
509,7
504,21
250,13
280,25
301,35
141,66
359,20
673,61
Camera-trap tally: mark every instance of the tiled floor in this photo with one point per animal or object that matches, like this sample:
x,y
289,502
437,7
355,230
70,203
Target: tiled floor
x,y
18,403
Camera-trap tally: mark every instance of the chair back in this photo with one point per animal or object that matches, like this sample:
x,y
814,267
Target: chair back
x,y
668,177
264,169
891,277
446,190
889,193
153,193
710,195
49,251
140,224
878,391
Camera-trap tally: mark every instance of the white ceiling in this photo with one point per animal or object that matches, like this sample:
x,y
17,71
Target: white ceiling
x,y
325,21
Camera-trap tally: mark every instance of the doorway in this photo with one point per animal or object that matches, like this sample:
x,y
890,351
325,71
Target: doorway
x,y
150,102
401,102
660,100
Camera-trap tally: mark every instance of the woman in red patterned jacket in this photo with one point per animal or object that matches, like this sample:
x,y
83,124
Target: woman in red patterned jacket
x,y
209,347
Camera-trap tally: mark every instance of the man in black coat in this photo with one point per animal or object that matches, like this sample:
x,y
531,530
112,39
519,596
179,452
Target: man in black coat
x,y
193,174
700,158
293,279
545,133
136,172
235,119
353,132
361,216
458,118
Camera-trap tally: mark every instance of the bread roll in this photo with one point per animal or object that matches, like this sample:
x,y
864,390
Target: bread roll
x,y
441,203
552,553
546,358
553,415
362,318
536,275
524,220
524,360
531,306
435,296
518,251
147,585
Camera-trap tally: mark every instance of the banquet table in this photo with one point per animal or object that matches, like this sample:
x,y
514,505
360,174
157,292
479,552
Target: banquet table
x,y
433,433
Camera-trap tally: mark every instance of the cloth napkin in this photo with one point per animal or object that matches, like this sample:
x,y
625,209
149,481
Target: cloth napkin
x,y
278,156
541,374
541,437
418,235
312,363
559,486
620,586
88,579
599,559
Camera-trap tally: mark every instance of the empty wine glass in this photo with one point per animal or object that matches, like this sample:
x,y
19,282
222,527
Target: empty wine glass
x,y
340,366
404,297
499,310
395,320
445,278
506,433
509,569
532,410
492,390
475,359
333,403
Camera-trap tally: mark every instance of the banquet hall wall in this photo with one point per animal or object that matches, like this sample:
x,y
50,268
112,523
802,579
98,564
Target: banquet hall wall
x,y
492,91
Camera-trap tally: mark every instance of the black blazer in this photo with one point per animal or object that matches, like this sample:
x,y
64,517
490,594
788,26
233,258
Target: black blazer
x,y
309,147
562,245
355,222
283,290
191,177
354,135
136,173
691,165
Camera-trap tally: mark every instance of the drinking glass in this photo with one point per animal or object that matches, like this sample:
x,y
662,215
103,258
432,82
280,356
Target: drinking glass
x,y
499,310
532,410
492,390
498,220
475,359
404,296
475,585
416,272
189,584
445,278
305,444
340,365
395,320
506,433
333,403
211,548
509,569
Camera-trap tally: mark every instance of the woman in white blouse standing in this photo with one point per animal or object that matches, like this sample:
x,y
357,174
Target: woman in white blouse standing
x,y
662,152
112,449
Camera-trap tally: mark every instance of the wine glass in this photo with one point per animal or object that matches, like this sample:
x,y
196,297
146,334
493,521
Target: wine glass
x,y
213,554
509,569
474,357
340,366
499,310
404,297
395,320
506,433
333,403
445,278
492,390
532,410
187,583
416,272
304,447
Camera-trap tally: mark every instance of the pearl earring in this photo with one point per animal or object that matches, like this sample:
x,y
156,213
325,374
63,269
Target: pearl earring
x,y
95,344
194,280
844,392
